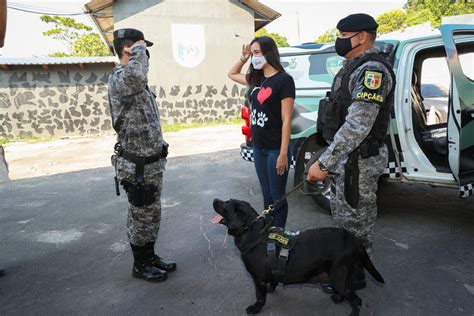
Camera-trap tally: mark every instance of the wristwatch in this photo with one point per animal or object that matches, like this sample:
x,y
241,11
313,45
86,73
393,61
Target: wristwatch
x,y
322,167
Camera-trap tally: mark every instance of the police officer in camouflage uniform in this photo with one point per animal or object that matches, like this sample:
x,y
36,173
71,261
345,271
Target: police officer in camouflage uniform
x,y
353,120
140,152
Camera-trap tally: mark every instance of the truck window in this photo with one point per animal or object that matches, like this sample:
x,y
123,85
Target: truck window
x,y
315,70
467,64
434,83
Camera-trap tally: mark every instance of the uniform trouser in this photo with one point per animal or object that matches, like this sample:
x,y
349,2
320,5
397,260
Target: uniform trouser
x,y
361,220
143,223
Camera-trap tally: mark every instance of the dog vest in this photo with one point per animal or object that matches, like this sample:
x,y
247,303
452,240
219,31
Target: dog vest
x,y
279,244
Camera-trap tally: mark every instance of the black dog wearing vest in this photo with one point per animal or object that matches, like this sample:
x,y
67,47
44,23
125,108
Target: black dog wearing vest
x,y
328,250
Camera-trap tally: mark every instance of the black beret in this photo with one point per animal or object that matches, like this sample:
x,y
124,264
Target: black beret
x,y
131,34
357,22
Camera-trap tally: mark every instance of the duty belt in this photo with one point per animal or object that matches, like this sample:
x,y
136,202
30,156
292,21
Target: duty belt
x,y
139,161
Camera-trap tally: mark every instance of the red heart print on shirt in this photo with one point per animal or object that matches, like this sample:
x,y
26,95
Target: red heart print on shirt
x,y
264,94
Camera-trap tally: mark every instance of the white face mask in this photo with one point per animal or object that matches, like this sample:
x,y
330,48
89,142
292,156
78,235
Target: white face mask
x,y
258,62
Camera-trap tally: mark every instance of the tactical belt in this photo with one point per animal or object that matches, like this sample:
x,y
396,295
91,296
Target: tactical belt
x,y
139,161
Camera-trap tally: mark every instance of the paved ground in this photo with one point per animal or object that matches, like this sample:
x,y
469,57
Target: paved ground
x,y
72,154
65,249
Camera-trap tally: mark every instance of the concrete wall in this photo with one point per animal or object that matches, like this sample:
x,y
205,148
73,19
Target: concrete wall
x,y
201,92
63,100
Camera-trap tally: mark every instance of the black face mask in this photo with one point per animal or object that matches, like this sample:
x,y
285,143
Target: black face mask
x,y
343,45
148,53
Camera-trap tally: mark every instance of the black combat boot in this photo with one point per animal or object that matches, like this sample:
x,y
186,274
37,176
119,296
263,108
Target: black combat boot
x,y
143,269
156,261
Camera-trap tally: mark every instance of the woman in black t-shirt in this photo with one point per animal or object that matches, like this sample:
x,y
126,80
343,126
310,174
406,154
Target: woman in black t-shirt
x,y
272,96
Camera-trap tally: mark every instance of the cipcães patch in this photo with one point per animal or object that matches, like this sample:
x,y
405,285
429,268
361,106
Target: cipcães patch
x,y
373,79
279,238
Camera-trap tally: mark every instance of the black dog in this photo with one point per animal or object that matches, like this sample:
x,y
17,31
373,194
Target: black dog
x,y
333,251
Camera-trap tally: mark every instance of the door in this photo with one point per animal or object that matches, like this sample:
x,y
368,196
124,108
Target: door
x,y
459,45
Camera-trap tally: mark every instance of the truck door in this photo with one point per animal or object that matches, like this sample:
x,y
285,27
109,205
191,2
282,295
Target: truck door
x,y
459,44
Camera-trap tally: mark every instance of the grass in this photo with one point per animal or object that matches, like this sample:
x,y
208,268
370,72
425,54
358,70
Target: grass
x,y
164,127
177,127
30,140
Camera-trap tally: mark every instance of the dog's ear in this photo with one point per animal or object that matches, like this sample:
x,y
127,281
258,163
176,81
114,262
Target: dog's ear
x,y
246,207
235,216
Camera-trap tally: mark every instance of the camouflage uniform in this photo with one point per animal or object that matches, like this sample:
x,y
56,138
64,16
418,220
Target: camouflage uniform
x,y
136,119
358,123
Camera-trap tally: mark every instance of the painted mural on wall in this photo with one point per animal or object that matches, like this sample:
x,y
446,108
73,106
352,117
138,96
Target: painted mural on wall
x,y
199,103
75,103
54,103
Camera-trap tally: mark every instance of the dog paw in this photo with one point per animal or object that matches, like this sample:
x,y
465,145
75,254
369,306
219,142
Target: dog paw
x,y
337,298
254,309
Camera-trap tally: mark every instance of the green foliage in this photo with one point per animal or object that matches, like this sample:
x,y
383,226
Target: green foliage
x,y
421,11
78,37
280,40
328,37
418,17
90,45
440,8
391,21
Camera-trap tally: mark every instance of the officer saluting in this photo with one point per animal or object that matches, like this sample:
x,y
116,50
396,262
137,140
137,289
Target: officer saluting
x,y
354,121
140,151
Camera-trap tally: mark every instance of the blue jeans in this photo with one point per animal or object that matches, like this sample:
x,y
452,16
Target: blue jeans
x,y
273,185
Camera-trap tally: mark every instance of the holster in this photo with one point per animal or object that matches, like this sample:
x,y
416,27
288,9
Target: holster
x,y
351,179
138,193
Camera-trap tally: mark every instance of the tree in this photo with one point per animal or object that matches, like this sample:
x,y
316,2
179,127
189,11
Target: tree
x,y
440,8
421,11
328,37
391,21
90,45
280,40
78,37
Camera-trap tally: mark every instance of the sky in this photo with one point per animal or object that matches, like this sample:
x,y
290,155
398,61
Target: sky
x,y
24,30
318,16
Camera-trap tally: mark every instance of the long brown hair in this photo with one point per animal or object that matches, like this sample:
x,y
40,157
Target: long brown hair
x,y
269,49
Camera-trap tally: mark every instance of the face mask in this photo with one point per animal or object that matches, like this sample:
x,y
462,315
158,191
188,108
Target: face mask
x,y
258,62
147,54
344,45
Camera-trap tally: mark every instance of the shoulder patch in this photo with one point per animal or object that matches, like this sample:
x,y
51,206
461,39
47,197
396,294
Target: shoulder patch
x,y
373,79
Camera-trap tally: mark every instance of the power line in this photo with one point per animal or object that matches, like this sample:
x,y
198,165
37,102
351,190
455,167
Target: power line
x,y
36,11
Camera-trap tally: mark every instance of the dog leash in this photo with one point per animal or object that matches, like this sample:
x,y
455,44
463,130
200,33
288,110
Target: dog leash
x,y
271,207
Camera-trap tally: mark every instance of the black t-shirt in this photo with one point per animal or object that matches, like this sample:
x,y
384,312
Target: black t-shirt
x,y
266,109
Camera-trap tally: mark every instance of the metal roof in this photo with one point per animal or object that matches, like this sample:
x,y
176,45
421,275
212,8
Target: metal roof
x,y
57,60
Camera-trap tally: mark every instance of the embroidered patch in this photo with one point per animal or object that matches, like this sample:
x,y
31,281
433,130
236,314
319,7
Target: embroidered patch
x,y
278,238
373,79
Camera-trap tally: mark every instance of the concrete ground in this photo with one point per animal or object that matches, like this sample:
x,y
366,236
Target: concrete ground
x,y
65,249
27,160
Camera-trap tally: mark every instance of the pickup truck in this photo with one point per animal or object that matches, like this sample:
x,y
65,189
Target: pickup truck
x,y
429,142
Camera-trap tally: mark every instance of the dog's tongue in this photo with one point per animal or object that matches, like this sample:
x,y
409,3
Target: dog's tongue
x,y
216,219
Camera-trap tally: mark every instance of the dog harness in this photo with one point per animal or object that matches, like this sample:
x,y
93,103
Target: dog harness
x,y
279,244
